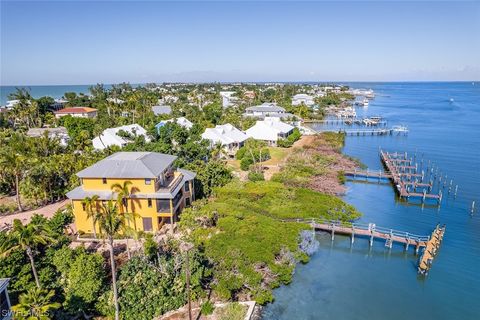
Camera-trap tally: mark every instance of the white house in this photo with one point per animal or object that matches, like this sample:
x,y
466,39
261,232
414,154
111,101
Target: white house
x,y
267,109
161,109
300,98
270,130
113,137
227,98
182,121
58,104
11,104
59,133
115,100
227,135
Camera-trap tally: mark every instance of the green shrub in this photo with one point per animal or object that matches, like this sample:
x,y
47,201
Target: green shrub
x,y
207,308
341,177
256,176
245,163
233,311
284,143
290,140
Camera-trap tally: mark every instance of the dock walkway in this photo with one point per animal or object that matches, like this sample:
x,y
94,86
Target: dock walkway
x,y
372,232
431,250
403,172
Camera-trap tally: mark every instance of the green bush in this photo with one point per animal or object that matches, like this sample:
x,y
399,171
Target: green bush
x,y
341,177
256,176
207,308
290,140
233,311
245,163
284,143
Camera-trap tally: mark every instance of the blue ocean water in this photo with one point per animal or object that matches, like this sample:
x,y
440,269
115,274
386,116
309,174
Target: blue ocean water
x,y
357,282
41,91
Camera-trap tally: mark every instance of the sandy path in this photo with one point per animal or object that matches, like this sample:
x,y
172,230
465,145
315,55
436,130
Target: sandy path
x,y
47,211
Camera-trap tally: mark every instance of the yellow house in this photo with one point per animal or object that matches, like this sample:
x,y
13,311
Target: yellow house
x,y
158,192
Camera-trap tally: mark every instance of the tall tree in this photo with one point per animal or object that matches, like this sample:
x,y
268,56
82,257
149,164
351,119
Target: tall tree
x,y
14,162
26,238
111,223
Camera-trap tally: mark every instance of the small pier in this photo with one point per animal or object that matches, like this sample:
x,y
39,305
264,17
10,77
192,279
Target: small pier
x,y
431,249
373,232
366,132
376,121
404,173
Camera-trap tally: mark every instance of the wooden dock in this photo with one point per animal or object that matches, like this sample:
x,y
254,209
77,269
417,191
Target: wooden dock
x,y
362,132
431,249
373,232
405,175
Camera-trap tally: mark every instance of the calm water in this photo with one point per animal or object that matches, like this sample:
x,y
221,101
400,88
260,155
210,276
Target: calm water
x,y
344,282
42,91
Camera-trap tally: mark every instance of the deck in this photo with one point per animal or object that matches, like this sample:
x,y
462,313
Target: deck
x,y
431,250
405,175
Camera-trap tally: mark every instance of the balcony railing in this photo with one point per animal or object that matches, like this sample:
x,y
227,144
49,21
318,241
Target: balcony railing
x,y
171,183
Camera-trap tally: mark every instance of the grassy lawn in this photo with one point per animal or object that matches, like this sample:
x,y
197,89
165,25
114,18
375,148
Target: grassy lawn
x,y
278,155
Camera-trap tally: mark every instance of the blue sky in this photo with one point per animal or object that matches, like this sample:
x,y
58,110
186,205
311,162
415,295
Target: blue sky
x,y
83,42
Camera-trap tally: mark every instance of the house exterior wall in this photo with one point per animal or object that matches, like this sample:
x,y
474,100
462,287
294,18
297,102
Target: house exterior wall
x,y
136,205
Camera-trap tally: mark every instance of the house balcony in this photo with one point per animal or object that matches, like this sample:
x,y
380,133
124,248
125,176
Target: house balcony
x,y
171,183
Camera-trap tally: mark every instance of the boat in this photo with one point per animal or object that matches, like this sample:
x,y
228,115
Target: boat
x,y
365,102
400,129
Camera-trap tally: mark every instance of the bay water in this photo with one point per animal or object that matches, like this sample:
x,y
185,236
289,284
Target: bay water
x,y
344,281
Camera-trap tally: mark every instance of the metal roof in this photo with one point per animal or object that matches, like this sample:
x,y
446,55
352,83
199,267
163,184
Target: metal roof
x,y
129,165
3,284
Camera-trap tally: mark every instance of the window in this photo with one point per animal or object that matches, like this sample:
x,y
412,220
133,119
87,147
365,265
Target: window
x,y
83,206
148,181
147,224
163,205
187,186
149,201
187,202
104,180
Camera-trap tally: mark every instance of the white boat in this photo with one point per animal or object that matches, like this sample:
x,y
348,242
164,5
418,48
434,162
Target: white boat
x,y
400,129
365,102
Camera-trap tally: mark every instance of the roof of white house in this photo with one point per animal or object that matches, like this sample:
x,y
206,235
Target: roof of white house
x,y
266,107
182,121
38,132
268,129
110,137
302,96
161,109
115,100
224,134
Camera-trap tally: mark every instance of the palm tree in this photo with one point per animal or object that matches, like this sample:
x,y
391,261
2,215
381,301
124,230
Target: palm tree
x,y
35,304
111,223
26,238
14,161
123,194
218,151
91,207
